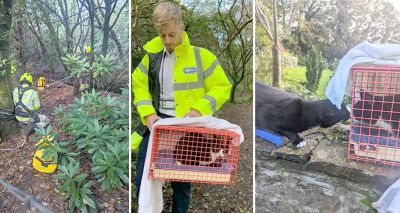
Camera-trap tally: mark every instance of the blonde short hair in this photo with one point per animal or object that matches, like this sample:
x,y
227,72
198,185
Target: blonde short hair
x,y
165,12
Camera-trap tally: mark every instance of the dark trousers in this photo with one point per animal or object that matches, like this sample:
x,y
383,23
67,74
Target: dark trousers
x,y
181,191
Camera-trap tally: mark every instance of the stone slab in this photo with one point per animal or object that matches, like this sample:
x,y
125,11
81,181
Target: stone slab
x,y
331,159
284,186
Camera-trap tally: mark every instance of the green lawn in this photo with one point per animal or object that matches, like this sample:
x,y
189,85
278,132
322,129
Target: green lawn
x,y
299,74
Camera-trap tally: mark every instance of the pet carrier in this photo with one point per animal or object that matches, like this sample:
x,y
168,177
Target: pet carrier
x,y
374,135
194,154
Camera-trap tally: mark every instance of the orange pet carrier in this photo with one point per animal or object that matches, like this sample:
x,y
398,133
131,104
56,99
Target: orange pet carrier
x,y
194,154
374,135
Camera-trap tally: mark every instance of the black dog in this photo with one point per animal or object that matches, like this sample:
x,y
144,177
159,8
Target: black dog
x,y
287,114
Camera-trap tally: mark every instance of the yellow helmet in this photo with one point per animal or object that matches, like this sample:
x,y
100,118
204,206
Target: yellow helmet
x,y
26,78
88,49
41,83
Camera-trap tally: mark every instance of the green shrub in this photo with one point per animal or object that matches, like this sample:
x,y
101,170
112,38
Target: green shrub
x,y
110,166
99,126
75,64
315,64
298,88
288,61
103,65
75,189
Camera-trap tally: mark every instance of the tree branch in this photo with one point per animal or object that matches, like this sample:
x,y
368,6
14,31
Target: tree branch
x,y
264,21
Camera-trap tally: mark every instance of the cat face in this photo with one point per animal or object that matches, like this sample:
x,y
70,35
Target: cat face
x,y
378,112
202,149
329,114
220,145
369,107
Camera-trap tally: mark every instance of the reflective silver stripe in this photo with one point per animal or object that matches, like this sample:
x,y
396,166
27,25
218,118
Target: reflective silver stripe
x,y
211,69
199,65
143,103
142,68
212,101
187,86
200,80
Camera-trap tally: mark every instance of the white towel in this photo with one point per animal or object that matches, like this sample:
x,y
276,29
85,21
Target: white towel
x,y
150,197
390,200
341,82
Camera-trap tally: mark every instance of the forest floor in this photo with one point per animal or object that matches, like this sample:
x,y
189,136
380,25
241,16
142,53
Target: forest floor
x,y
221,198
16,167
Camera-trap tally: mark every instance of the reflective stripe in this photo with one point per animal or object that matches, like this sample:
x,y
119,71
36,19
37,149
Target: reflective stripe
x,y
200,80
187,86
211,69
146,102
212,101
142,68
199,65
44,163
20,112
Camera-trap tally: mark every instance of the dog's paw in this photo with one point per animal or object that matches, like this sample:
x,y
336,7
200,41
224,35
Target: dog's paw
x,y
300,144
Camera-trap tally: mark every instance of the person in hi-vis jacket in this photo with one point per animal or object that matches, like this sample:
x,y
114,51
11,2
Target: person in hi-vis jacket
x,y
175,79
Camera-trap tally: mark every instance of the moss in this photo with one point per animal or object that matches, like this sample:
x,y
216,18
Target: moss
x,y
367,201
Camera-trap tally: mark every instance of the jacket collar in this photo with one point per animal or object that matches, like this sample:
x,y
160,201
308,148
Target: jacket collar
x,y
156,45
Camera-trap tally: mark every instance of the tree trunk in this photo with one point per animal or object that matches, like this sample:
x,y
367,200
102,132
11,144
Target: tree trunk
x,y
91,54
20,44
276,80
232,98
43,51
69,32
91,14
119,46
114,37
106,26
55,41
8,125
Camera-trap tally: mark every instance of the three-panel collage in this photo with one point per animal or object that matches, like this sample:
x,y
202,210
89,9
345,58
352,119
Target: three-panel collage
x,y
237,106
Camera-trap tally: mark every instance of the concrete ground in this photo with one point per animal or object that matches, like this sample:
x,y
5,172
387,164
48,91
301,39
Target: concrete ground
x,y
318,177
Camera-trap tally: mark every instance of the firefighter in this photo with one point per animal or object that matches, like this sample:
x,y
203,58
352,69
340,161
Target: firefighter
x,y
27,103
175,79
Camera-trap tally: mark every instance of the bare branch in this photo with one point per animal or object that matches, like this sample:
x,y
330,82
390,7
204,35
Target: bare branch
x,y
264,21
119,13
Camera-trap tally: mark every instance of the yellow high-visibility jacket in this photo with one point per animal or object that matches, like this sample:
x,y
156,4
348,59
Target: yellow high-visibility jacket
x,y
30,99
199,81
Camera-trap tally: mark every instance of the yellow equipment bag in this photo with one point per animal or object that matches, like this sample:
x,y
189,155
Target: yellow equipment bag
x,y
41,164
41,83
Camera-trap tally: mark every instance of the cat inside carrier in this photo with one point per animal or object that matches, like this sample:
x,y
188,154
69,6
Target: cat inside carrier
x,y
194,154
374,134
